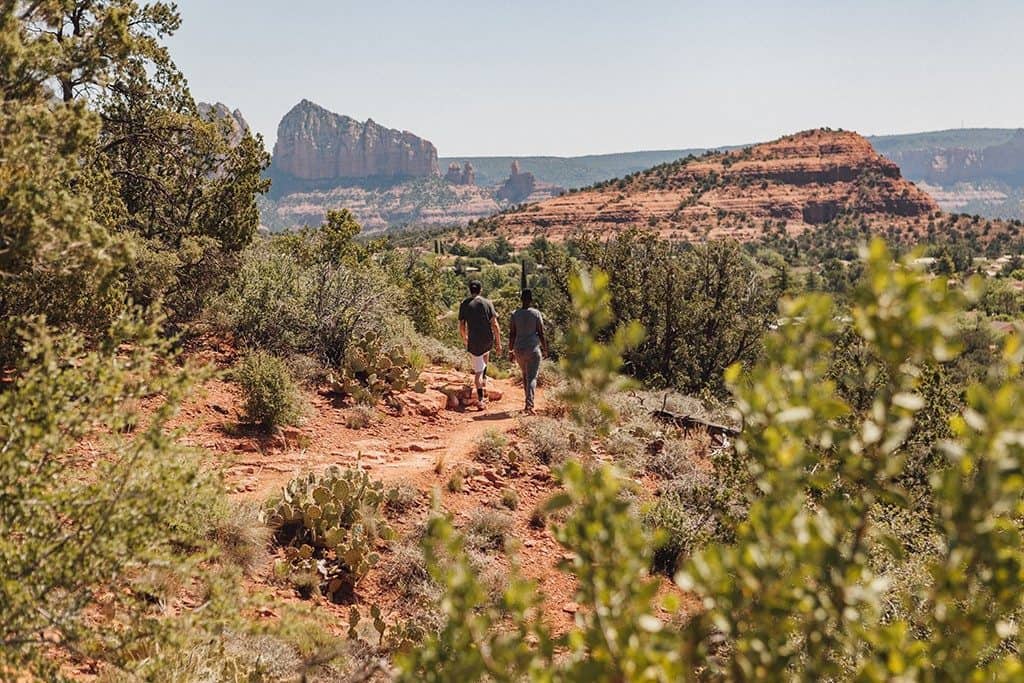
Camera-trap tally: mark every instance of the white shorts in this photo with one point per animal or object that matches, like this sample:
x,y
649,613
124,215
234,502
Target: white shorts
x,y
479,363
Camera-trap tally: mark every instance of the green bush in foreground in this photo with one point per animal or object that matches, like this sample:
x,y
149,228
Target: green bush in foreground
x,y
272,398
87,527
795,597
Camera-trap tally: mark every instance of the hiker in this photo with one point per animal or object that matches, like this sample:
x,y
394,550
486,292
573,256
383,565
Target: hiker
x,y
478,325
526,344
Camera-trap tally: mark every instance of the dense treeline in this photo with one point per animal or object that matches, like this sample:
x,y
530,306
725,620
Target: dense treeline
x,y
118,191
122,212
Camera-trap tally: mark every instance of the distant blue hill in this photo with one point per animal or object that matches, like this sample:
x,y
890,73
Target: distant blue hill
x,y
568,172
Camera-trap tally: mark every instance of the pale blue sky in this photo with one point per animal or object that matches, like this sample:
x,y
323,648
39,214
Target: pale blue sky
x,y
568,78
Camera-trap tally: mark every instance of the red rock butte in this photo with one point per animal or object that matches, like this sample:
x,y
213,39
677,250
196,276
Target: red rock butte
x,y
314,144
791,184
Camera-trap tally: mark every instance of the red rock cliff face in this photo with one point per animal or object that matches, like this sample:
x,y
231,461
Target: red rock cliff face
x,y
314,144
792,183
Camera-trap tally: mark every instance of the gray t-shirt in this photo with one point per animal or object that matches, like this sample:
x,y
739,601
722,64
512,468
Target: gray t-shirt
x,y
477,312
527,323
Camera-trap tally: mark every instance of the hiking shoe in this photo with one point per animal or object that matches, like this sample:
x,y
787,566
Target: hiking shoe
x,y
482,404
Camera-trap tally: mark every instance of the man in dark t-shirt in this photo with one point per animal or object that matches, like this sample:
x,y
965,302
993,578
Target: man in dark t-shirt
x,y
478,326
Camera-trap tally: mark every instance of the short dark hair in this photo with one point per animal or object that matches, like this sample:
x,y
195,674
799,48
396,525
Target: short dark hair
x,y
475,287
527,297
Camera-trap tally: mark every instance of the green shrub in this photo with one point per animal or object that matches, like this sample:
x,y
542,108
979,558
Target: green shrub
x,y
119,515
406,570
240,534
272,398
440,353
510,498
627,450
416,359
673,458
487,529
288,301
549,440
328,526
456,481
490,447
360,416
1001,299
703,308
400,497
698,509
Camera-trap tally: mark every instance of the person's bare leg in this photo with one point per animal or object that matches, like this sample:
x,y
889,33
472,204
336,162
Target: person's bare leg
x,y
481,385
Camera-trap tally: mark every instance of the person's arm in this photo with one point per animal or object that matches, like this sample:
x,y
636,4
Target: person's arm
x,y
511,337
463,325
496,331
543,339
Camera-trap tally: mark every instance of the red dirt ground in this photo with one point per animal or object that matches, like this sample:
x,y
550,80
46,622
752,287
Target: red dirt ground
x,y
402,446
398,448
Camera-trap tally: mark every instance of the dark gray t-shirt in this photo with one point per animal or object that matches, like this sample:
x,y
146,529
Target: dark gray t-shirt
x,y
527,323
478,313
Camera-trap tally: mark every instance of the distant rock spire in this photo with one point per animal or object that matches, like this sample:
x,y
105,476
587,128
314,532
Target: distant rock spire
x,y
460,175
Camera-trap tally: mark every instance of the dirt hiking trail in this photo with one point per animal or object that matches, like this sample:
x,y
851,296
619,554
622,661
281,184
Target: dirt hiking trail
x,y
421,445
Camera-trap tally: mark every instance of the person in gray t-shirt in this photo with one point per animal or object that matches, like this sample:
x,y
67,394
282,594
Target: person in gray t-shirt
x,y
526,345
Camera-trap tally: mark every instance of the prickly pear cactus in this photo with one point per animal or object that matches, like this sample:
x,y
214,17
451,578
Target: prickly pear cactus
x,y
330,525
372,371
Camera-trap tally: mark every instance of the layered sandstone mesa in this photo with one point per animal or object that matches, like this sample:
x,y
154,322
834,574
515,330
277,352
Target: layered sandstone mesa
x,y
457,175
317,147
789,184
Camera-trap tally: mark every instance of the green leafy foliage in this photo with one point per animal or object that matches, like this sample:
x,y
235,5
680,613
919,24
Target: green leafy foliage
x,y
55,257
704,308
798,591
470,645
72,535
698,509
490,447
272,398
803,585
93,215
114,192
428,289
591,367
308,293
329,526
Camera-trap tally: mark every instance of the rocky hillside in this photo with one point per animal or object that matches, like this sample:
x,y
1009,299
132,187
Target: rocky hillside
x,y
319,149
792,183
418,202
973,171
388,178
